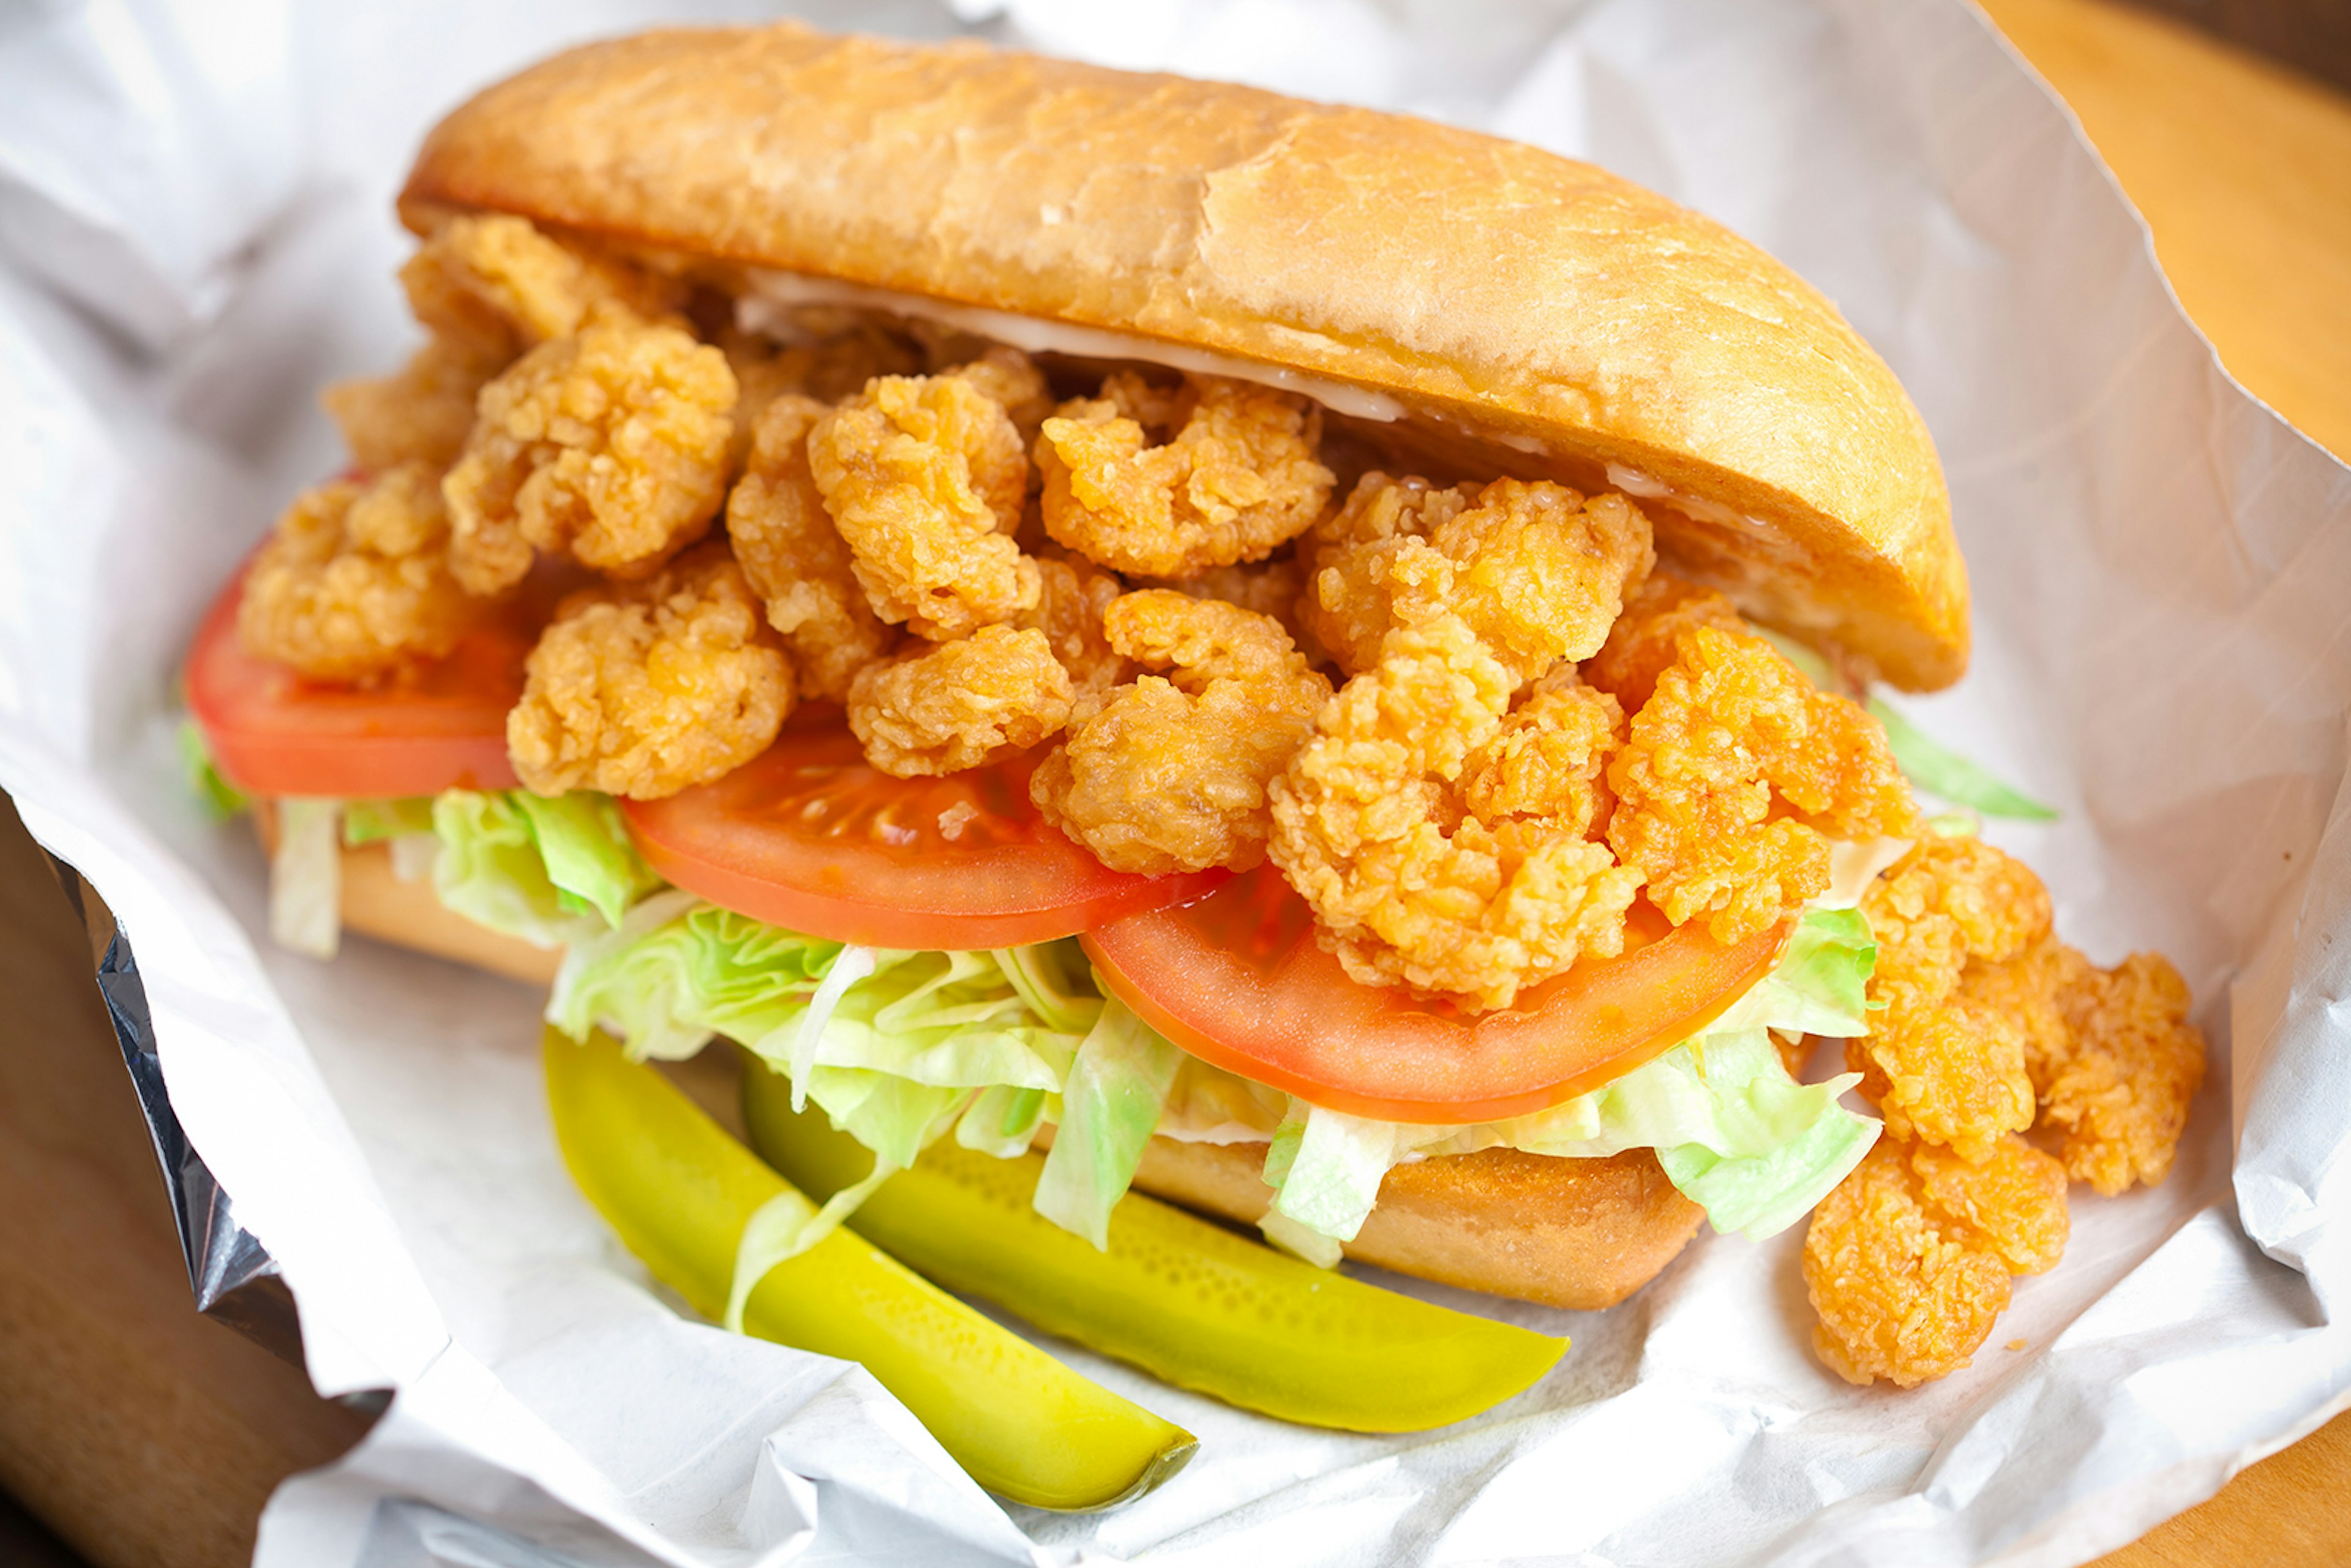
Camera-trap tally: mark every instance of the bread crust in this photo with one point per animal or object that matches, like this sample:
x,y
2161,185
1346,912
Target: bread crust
x,y
1563,319
1564,1233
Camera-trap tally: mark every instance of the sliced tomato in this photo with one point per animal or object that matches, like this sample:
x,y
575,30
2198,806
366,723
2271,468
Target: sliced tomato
x,y
1238,980
438,726
809,836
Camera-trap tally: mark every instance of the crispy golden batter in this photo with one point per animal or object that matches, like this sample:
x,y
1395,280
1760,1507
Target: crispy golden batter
x,y
960,703
2117,1092
355,582
643,689
1645,640
419,413
1169,773
1349,605
1550,758
924,478
1907,1261
1956,925
1732,727
1406,886
496,284
1945,1054
1538,571
796,559
1233,473
611,444
1009,377
1073,596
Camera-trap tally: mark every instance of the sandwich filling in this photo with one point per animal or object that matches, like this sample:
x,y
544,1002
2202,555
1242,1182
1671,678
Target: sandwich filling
x,y
1090,633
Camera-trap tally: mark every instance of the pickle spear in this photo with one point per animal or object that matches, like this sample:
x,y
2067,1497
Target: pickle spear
x,y
679,1190
1191,1302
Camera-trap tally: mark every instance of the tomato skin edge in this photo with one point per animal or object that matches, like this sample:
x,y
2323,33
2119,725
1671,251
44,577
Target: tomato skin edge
x,y
1765,954
357,752
842,919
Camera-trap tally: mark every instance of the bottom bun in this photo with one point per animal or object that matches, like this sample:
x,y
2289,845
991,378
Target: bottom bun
x,y
1563,1233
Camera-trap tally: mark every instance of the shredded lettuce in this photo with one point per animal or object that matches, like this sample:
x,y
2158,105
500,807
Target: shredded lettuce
x,y
368,821
1110,1103
1932,767
897,1048
222,799
553,873
305,877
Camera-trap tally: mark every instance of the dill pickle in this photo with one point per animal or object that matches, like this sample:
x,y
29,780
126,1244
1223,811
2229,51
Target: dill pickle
x,y
679,1190
1189,1302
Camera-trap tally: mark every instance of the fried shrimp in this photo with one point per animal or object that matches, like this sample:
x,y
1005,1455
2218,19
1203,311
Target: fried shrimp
x,y
2116,1093
611,444
960,703
1732,729
924,478
1408,887
1170,484
419,413
1549,757
1169,771
1945,1054
642,689
1349,601
355,582
796,560
1538,571
1073,596
1644,641
1909,1260
496,283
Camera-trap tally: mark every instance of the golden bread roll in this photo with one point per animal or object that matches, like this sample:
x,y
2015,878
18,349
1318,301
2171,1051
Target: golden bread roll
x,y
1438,289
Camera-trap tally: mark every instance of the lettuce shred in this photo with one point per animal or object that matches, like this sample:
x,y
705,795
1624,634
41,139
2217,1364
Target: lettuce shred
x,y
554,872
1936,769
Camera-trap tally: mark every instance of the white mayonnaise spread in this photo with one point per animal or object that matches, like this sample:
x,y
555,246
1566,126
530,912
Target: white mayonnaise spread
x,y
761,309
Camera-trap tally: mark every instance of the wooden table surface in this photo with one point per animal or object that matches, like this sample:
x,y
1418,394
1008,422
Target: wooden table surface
x,y
111,1383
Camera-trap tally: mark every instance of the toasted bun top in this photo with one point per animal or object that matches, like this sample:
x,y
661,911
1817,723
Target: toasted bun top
x,y
1552,316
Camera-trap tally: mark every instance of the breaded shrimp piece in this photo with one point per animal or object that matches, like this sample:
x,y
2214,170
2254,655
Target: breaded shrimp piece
x,y
610,444
494,282
1406,888
957,705
1074,595
1549,757
419,413
2118,1093
1645,639
1907,1262
1169,772
1349,603
355,582
1233,473
1010,377
826,369
1944,1061
643,689
924,476
1538,571
1731,723
796,560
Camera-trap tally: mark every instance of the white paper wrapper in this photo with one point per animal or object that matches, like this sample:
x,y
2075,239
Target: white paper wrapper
x,y
196,233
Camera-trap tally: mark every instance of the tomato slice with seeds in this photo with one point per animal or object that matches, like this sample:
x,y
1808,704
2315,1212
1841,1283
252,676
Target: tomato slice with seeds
x,y
436,726
1237,979
810,836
